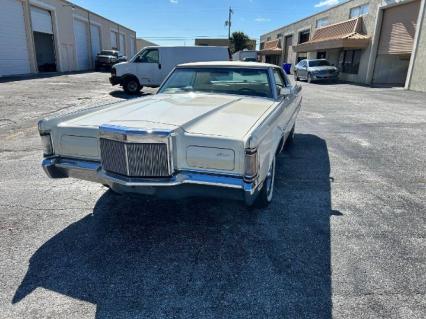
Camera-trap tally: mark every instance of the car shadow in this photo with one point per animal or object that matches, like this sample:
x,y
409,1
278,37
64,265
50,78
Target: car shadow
x,y
120,94
40,75
143,257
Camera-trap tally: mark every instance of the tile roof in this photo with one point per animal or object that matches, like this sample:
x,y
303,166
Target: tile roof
x,y
337,35
272,45
342,30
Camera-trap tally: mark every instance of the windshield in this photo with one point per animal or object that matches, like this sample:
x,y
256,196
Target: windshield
x,y
241,81
314,63
108,53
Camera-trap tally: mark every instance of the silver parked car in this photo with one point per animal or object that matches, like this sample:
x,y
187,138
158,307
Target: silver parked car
x,y
315,70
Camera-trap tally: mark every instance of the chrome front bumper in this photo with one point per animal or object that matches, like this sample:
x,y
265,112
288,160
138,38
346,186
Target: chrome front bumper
x,y
180,185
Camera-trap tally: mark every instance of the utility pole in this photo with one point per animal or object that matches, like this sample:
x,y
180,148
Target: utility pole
x,y
228,22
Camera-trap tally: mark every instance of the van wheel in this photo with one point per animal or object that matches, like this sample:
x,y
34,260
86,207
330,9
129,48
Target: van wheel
x,y
131,86
267,191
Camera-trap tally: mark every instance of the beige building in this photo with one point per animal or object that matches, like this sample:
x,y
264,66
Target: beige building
x,y
371,41
142,43
212,42
54,35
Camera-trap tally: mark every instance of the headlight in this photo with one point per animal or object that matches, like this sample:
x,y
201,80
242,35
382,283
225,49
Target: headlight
x,y
250,165
46,142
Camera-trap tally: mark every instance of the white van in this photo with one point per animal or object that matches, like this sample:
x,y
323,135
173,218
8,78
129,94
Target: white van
x,y
152,64
245,55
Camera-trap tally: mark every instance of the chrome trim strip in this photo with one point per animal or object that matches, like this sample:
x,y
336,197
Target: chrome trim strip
x,y
76,164
183,177
133,135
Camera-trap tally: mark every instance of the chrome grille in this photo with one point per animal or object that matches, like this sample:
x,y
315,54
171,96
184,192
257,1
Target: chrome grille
x,y
103,59
135,159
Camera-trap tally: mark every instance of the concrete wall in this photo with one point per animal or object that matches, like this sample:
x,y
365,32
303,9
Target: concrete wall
x,y
391,69
417,81
63,15
335,14
142,43
212,42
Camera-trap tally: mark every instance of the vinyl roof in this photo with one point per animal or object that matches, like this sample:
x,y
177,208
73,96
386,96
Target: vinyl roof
x,y
228,64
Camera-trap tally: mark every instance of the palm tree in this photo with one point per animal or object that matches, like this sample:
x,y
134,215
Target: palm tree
x,y
239,41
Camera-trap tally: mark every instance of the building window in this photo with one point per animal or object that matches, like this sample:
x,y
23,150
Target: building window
x,y
279,35
301,56
322,22
268,39
262,45
304,36
358,11
349,61
321,55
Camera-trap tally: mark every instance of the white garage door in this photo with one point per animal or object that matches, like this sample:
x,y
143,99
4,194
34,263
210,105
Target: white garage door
x,y
41,20
132,47
114,44
81,44
14,57
96,40
122,45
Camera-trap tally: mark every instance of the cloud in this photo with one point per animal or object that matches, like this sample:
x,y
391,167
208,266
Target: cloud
x,y
327,3
174,1
262,19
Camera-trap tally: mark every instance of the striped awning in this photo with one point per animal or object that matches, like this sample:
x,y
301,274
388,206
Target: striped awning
x,y
346,34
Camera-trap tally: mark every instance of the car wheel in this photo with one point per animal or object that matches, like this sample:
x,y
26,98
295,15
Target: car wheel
x,y
267,191
131,86
297,77
309,78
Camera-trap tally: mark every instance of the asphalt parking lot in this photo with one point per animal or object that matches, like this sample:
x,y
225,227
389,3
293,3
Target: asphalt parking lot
x,y
344,238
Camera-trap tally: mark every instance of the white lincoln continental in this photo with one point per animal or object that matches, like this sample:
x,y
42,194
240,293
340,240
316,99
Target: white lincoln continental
x,y
213,128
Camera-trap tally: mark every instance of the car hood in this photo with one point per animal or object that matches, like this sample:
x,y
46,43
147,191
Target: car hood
x,y
323,68
207,114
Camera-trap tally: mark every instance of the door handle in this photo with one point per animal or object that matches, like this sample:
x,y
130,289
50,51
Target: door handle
x,y
159,65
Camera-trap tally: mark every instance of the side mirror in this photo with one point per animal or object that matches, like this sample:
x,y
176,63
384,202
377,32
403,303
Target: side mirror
x,y
285,91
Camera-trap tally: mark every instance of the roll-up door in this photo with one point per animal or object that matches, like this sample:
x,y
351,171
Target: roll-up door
x,y
288,44
114,44
41,21
41,24
14,58
122,45
81,44
132,47
96,40
399,28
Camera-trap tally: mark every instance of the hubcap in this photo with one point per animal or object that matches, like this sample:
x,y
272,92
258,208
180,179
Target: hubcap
x,y
132,86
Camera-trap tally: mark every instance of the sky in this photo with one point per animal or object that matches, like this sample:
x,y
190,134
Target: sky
x,y
179,22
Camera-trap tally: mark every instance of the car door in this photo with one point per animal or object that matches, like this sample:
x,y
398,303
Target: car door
x,y
286,102
148,67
